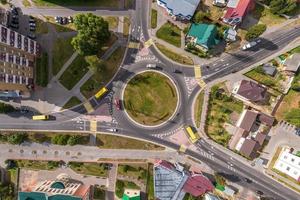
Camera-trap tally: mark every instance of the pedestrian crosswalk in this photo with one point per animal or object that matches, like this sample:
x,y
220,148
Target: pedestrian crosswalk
x,y
89,108
93,125
148,43
134,45
198,76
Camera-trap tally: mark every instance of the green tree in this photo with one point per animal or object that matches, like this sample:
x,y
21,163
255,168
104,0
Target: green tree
x,y
255,31
74,139
200,16
95,63
220,179
6,108
282,6
16,138
60,139
92,33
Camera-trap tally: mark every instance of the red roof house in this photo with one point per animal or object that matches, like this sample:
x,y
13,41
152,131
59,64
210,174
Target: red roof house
x,y
197,185
235,15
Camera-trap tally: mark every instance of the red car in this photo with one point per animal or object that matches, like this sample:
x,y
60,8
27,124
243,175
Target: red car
x,y
118,104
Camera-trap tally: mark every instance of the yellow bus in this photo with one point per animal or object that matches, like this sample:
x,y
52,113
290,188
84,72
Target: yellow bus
x,y
101,92
192,135
40,117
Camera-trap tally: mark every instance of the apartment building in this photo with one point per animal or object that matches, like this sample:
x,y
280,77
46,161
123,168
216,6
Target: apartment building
x,y
17,62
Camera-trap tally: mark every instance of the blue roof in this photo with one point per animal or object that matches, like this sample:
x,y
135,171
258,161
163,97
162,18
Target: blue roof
x,y
181,7
43,196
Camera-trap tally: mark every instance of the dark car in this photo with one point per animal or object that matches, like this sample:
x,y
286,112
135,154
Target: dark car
x,y
258,192
177,71
247,180
16,26
32,28
31,36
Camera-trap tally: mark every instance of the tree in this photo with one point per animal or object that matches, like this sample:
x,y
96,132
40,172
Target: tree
x,y
74,139
95,64
16,138
220,179
92,33
200,16
255,31
60,139
282,6
6,108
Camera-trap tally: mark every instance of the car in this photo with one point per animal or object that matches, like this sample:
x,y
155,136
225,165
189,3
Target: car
x,y
31,20
32,24
297,132
70,19
251,44
177,71
118,104
65,20
151,66
31,35
247,180
32,28
15,21
259,193
112,130
16,26
14,10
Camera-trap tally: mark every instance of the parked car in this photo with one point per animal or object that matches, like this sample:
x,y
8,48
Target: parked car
x,y
151,66
32,28
70,19
118,104
251,44
14,10
16,26
31,19
31,35
297,132
65,20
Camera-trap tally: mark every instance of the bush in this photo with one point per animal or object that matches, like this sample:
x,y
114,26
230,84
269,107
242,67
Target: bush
x,y
255,31
60,139
74,139
16,138
282,6
6,108
201,17
190,48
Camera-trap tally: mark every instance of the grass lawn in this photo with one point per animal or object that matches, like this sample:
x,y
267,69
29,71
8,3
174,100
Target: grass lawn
x,y
198,108
170,33
42,70
295,50
150,98
258,75
37,164
93,169
174,56
62,51
121,185
99,193
221,105
73,101
116,142
126,26
74,72
100,3
99,80
265,16
112,21
41,26
26,3
136,171
153,18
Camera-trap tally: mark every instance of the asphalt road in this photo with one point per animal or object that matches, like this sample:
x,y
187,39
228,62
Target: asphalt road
x,y
67,120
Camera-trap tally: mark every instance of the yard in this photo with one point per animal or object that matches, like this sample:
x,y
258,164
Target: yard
x,y
99,193
62,51
264,15
89,3
73,101
174,56
121,185
136,171
117,142
150,183
99,80
221,106
42,70
170,33
37,164
93,169
198,108
77,69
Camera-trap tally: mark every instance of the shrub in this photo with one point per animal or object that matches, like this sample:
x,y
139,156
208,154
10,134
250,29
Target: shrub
x,y
74,139
16,138
6,108
255,31
60,139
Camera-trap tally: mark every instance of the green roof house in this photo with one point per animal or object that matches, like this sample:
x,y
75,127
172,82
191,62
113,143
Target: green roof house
x,y
130,194
202,36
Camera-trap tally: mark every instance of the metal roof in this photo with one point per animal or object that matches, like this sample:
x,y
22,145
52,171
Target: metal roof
x,y
181,7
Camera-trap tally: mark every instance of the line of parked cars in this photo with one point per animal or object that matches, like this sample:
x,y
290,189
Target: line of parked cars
x,y
14,23
63,20
32,27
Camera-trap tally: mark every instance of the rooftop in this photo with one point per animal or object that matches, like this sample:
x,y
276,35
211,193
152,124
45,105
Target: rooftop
x,y
249,148
252,91
182,7
247,119
292,63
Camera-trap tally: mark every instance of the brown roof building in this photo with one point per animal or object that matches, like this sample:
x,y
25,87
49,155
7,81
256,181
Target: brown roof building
x,y
247,119
266,119
238,134
250,91
260,138
249,148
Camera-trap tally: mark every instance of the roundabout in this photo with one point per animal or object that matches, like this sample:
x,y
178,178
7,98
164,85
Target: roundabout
x,y
150,98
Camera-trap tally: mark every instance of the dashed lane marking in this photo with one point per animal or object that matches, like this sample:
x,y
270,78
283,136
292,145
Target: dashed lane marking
x,y
89,108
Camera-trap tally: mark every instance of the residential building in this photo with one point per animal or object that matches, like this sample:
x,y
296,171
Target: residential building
x,y
230,34
172,182
220,3
292,63
249,91
288,164
182,10
237,10
202,36
269,69
17,61
130,194
249,148
247,119
63,187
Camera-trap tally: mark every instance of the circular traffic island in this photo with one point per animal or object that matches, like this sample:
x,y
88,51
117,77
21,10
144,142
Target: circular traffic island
x,y
150,98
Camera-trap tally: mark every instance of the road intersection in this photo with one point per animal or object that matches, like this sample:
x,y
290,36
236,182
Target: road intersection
x,y
218,160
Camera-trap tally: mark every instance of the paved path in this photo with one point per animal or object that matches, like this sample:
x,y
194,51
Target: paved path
x,y
113,173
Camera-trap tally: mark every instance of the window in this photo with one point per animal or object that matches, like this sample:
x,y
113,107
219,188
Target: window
x,y
292,159
285,157
288,168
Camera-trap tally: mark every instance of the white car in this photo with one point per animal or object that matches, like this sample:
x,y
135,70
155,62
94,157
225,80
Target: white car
x,y
250,44
112,130
151,66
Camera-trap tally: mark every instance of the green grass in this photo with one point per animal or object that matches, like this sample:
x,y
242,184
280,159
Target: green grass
x,y
117,142
153,18
74,72
221,105
62,51
41,26
26,3
126,26
136,171
258,75
198,108
265,16
37,164
150,98
89,3
93,169
170,33
99,80
295,50
42,70
112,21
73,101
99,193
6,108
121,185
174,56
